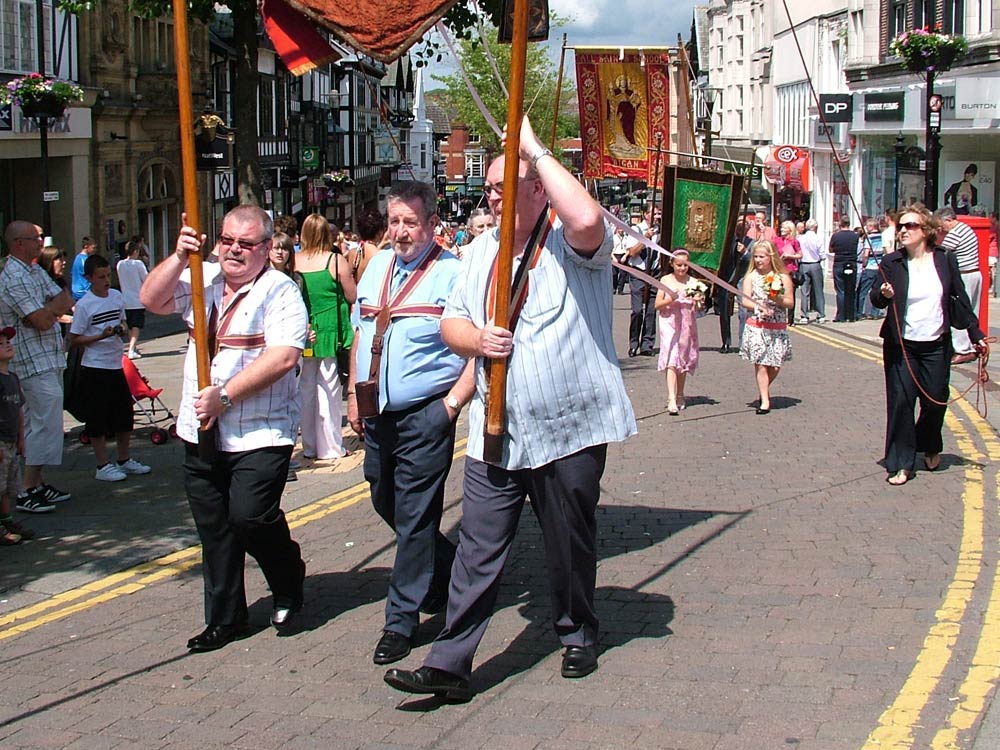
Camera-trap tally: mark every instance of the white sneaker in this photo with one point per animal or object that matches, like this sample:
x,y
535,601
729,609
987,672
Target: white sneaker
x,y
110,473
134,467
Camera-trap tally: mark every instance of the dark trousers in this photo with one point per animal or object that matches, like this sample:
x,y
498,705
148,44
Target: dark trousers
x,y
845,279
407,459
618,279
642,323
930,362
724,306
236,505
564,496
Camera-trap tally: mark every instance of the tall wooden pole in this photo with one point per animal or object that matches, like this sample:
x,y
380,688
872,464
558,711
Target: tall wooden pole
x,y
497,395
555,108
685,86
190,181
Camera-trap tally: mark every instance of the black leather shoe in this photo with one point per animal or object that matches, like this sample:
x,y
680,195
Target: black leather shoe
x,y
391,647
646,353
579,661
435,601
430,681
633,351
283,616
217,636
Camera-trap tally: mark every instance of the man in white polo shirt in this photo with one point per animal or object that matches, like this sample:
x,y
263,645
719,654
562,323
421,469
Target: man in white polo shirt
x,y
259,329
961,240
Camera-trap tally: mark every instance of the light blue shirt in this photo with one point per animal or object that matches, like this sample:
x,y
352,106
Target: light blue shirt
x,y
79,284
564,387
416,364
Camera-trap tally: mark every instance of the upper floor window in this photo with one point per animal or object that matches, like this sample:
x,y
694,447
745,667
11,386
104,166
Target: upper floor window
x,y
153,44
475,139
923,14
17,35
897,18
954,17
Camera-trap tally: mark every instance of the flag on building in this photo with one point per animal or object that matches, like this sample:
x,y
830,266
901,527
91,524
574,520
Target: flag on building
x,y
624,97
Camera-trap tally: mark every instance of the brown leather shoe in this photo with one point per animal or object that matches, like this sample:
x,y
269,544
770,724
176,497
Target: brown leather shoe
x,y
961,359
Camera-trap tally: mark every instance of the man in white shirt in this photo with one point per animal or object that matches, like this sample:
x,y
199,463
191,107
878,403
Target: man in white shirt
x,y
962,241
131,273
642,323
811,266
253,400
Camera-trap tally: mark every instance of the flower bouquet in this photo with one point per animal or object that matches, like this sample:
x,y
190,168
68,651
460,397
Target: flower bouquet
x,y
38,96
695,290
774,285
922,50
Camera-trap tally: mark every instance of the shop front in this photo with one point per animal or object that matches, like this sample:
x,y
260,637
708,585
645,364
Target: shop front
x,y
788,171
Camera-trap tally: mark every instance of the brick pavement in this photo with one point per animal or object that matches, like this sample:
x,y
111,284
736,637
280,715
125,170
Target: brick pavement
x,y
759,586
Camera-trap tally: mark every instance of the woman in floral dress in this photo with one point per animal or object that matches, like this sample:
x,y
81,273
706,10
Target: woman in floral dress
x,y
765,338
678,329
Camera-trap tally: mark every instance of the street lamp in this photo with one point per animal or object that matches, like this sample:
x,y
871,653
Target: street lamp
x,y
900,149
710,94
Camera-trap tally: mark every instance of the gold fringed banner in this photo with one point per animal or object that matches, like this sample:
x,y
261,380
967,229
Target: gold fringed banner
x,y
624,98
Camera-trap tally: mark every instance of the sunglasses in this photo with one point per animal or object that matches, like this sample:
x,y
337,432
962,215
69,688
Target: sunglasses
x,y
911,226
227,241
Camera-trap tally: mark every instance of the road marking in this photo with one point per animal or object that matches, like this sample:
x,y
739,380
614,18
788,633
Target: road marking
x,y
140,576
984,672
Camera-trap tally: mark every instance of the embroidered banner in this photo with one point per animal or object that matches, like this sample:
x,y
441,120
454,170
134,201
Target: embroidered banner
x,y
624,97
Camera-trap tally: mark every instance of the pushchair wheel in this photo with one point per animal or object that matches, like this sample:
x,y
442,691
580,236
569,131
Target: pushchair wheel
x,y
172,430
159,436
85,438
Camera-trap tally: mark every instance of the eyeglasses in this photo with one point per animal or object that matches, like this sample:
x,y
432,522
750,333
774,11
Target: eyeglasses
x,y
226,241
498,189
911,226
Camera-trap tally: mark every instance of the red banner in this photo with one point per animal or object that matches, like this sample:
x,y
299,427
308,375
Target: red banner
x,y
624,97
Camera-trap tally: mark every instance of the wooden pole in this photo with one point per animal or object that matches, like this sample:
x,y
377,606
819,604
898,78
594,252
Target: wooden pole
x,y
555,108
656,181
686,88
497,394
190,181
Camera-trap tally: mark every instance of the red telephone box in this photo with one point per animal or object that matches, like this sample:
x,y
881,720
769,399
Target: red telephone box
x,y
981,226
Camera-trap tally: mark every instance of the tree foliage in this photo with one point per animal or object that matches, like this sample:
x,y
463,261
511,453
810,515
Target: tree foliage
x,y
539,89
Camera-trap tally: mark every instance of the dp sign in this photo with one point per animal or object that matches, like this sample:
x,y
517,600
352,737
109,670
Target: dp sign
x,y
836,107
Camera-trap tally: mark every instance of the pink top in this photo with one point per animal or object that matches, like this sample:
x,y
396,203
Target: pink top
x,y
786,246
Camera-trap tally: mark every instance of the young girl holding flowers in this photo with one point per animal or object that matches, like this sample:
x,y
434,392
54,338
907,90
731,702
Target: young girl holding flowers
x,y
768,293
679,328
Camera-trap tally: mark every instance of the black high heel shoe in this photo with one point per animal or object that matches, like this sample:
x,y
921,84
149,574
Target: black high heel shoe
x,y
763,411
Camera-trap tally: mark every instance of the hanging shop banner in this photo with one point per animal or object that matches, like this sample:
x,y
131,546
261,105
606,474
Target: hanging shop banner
x,y
624,97
886,107
699,213
788,166
836,107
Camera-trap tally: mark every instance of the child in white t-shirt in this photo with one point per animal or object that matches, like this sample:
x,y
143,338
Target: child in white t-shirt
x,y
98,325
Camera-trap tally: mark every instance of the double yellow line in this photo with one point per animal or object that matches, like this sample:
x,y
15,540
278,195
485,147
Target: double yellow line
x,y
139,577
897,723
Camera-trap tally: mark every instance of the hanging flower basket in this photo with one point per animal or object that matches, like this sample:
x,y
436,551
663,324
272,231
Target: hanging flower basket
x,y
38,96
922,50
338,180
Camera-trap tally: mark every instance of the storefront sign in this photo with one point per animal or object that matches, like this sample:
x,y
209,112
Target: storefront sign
x,y
310,157
212,155
977,98
788,166
884,107
6,118
836,107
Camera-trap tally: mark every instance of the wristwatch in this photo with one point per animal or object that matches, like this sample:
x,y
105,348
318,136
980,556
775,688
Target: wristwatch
x,y
453,403
224,398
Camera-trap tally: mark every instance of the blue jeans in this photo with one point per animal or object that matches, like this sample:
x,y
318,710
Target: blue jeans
x,y
861,301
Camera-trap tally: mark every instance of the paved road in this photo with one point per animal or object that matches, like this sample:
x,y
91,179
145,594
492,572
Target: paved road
x,y
760,586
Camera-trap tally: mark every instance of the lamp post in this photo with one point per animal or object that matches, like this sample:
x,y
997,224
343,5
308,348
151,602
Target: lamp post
x,y
932,139
710,94
43,124
900,150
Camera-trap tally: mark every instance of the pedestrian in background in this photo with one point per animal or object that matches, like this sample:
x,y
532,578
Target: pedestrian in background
x,y
871,256
811,268
790,252
98,325
132,272
32,303
79,285
926,298
844,249
253,400
960,240
53,260
371,229
11,442
642,322
767,292
732,271
678,328
329,290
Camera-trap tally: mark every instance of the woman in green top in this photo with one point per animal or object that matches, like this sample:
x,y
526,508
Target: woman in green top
x,y
329,290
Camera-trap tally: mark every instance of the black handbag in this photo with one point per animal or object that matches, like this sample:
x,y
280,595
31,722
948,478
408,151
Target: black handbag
x,y
798,278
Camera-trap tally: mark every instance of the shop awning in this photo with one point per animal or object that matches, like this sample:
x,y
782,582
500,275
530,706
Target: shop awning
x,y
788,166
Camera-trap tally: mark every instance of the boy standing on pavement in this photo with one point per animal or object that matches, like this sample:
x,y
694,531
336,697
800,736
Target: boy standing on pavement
x,y
11,442
97,325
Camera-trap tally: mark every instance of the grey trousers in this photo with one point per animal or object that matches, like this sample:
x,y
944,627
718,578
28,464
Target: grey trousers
x,y
564,496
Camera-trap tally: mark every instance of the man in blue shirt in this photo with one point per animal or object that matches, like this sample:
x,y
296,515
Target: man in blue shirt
x,y
80,285
409,425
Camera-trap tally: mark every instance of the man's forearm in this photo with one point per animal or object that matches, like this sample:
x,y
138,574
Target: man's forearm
x,y
462,337
263,372
157,292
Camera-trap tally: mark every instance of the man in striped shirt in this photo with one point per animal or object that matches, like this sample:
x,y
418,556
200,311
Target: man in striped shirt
x,y
962,241
565,403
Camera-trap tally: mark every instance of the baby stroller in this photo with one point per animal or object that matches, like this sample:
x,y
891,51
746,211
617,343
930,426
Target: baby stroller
x,y
157,413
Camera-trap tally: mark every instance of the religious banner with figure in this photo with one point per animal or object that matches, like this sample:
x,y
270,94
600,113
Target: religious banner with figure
x,y
699,213
624,97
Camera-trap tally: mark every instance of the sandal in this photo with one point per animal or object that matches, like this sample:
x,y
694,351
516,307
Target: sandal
x,y
932,461
672,409
9,539
898,479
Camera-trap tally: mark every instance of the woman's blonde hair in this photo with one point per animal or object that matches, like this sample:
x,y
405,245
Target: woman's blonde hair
x,y
790,225
316,235
777,265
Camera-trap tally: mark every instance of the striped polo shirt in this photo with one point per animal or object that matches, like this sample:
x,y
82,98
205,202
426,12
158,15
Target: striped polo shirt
x,y
564,387
961,240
